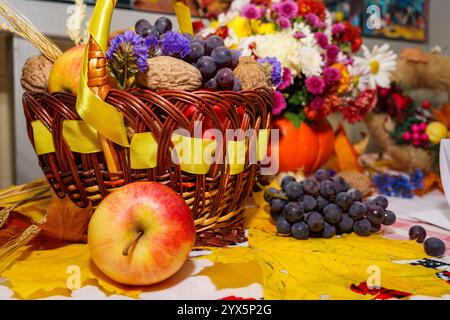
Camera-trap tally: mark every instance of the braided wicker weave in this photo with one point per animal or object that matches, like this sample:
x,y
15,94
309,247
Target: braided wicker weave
x,y
215,198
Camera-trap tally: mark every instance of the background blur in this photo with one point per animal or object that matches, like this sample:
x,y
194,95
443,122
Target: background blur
x,y
18,164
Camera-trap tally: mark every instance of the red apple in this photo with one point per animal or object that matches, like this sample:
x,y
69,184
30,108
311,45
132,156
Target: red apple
x,y
141,234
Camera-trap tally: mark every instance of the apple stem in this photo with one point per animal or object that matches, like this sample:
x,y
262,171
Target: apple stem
x,y
132,242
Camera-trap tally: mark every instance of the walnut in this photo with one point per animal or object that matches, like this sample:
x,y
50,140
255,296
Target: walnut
x,y
167,73
35,74
251,74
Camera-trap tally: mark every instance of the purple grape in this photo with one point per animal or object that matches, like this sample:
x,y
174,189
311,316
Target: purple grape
x,y
285,181
163,25
142,26
321,203
375,214
327,190
328,231
225,78
417,233
362,227
381,202
355,194
346,224
197,51
340,185
283,226
322,175
357,210
315,221
237,86
188,36
222,56
213,42
278,205
293,212
344,200
309,203
434,247
332,213
274,214
200,41
300,231
236,54
311,187
389,218
211,84
294,190
207,67
375,228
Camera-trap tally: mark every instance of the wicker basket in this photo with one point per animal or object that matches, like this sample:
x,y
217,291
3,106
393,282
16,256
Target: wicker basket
x,y
215,198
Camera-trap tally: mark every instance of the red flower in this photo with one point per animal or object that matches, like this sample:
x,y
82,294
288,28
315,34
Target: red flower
x,y
401,101
329,105
312,6
358,108
198,26
351,35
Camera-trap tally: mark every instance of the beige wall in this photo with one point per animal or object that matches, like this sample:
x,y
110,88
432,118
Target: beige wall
x,y
6,123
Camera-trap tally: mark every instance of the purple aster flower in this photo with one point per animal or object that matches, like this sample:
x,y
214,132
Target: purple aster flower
x,y
332,53
127,55
320,25
299,35
276,70
287,9
321,39
279,103
317,103
287,79
284,23
331,75
130,46
251,11
315,85
337,28
174,44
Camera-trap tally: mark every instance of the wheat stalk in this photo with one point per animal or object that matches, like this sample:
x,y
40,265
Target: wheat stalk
x,y
17,242
21,26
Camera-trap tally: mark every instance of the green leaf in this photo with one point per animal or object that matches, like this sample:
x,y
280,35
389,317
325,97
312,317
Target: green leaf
x,y
295,117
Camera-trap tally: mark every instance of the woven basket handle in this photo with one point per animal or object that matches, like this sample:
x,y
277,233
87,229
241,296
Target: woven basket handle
x,y
97,79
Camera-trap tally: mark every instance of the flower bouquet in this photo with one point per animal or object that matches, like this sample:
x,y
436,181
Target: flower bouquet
x,y
409,129
318,74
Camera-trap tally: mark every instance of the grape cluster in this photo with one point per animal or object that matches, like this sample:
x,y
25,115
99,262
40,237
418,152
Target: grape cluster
x,y
215,62
324,206
434,247
210,56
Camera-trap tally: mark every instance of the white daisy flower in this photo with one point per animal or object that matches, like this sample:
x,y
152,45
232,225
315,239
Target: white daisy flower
x,y
381,62
360,76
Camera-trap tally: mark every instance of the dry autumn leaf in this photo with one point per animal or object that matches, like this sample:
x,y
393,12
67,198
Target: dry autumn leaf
x,y
66,221
346,155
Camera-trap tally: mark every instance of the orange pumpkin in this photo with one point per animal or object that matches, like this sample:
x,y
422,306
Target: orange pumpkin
x,y
308,146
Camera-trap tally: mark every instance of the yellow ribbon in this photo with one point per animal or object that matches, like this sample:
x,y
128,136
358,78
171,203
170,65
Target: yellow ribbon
x,y
263,141
236,151
183,14
143,151
96,112
194,153
42,137
81,137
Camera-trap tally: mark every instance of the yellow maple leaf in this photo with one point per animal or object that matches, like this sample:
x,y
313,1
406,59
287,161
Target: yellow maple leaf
x,y
326,268
44,269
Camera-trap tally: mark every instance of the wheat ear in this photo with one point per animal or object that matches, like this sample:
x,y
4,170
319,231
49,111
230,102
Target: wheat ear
x,y
21,26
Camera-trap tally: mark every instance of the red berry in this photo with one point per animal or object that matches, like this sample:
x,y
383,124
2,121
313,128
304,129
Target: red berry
x,y
426,104
407,136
